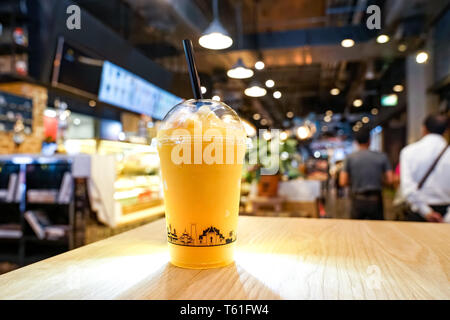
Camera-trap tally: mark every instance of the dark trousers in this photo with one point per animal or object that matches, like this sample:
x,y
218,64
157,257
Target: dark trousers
x,y
368,205
414,216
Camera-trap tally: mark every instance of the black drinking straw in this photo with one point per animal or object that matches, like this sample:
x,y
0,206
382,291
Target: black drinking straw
x,y
193,75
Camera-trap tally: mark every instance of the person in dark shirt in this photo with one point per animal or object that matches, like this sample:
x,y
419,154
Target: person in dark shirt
x,y
364,170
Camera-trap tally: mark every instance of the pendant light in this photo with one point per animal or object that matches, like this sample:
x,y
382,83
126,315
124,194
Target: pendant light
x,y
215,37
239,70
255,89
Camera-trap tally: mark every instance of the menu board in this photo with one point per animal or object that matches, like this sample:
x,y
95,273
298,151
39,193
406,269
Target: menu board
x,y
11,108
126,90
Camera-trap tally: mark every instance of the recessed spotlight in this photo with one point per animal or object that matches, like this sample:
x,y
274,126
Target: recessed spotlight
x,y
398,88
357,103
259,65
270,83
203,89
347,43
256,116
92,103
382,38
421,57
365,119
277,94
335,91
402,47
374,111
327,118
290,114
263,122
216,98
329,113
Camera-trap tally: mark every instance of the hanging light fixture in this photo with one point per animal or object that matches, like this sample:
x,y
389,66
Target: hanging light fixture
x,y
240,71
215,37
255,90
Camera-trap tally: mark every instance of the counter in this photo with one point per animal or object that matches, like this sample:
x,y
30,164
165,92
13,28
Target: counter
x,y
277,258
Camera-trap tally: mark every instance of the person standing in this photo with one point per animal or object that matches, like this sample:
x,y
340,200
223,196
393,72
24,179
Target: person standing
x,y
430,201
365,170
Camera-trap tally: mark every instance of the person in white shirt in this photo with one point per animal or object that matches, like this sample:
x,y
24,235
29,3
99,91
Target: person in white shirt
x,y
431,202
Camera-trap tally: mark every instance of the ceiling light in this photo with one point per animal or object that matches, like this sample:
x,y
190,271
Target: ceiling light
x,y
329,113
374,111
398,88
389,100
203,89
335,91
303,132
347,43
284,135
359,124
402,47
290,114
382,38
92,103
215,40
365,119
327,118
256,116
357,103
255,90
267,135
240,71
277,94
216,98
215,37
259,65
317,154
263,122
270,83
355,128
421,57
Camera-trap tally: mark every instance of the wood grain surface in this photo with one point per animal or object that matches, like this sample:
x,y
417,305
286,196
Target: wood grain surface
x,y
276,258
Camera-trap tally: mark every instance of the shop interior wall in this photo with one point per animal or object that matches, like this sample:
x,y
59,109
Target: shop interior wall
x,y
32,142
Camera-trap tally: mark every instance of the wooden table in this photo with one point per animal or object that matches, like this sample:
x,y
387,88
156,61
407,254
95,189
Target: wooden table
x,y
277,258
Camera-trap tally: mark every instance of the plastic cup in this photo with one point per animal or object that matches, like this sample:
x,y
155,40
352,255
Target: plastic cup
x,y
201,145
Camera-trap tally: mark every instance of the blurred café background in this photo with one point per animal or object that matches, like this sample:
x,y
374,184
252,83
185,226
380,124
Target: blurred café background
x,y
84,85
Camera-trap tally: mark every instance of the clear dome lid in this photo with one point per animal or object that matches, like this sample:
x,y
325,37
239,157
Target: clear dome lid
x,y
197,116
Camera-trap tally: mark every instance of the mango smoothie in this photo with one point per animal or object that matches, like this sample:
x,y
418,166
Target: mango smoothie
x,y
201,145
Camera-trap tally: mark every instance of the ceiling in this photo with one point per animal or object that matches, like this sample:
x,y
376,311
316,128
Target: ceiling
x,y
298,40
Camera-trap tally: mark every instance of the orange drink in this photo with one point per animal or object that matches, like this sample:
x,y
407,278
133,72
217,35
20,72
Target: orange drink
x,y
201,146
